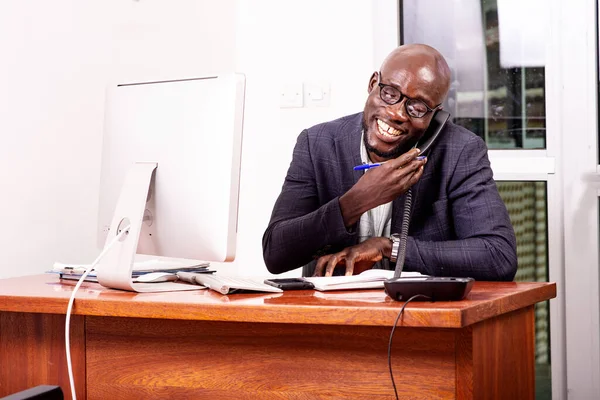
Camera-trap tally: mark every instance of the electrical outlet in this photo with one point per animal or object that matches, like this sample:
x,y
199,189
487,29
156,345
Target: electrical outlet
x,y
291,95
317,94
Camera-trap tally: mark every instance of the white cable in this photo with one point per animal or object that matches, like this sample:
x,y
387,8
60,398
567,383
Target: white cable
x,y
70,306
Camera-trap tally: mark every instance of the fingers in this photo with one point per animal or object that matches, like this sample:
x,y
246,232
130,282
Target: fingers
x,y
321,263
350,265
326,264
369,251
331,264
410,169
416,176
405,159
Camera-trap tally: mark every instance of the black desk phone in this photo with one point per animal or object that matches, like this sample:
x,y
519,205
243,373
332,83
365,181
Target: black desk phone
x,y
431,288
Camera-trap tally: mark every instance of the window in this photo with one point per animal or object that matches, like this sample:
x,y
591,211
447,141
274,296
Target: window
x,y
498,74
496,53
527,206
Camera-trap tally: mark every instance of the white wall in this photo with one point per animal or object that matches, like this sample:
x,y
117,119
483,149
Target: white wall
x,y
58,57
56,60
302,41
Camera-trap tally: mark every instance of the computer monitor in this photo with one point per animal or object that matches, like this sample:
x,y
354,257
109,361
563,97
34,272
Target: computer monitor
x,y
170,170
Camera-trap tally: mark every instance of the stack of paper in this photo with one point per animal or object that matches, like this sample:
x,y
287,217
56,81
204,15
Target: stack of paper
x,y
369,279
148,271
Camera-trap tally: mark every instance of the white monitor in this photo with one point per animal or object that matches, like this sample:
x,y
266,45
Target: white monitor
x,y
170,170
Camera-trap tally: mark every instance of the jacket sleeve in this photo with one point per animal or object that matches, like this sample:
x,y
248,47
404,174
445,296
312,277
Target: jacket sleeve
x,y
302,228
485,245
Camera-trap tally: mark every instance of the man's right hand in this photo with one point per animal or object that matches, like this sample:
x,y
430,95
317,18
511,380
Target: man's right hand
x,y
381,185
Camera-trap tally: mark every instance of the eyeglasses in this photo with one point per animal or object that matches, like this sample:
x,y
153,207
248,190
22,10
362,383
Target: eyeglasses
x,y
415,108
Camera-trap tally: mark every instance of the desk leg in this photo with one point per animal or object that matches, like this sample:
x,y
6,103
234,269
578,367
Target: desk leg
x,y
32,352
495,358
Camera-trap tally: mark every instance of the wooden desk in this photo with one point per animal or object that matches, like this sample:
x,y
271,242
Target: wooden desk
x,y
295,345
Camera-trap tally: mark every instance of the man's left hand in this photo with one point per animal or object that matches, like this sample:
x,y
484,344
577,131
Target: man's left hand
x,y
356,258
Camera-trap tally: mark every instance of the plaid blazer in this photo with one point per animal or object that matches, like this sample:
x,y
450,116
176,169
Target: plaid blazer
x,y
459,224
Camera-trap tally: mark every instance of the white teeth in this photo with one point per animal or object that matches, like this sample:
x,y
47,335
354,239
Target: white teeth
x,y
387,130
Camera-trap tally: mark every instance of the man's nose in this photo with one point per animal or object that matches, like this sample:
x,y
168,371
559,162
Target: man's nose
x,y
397,112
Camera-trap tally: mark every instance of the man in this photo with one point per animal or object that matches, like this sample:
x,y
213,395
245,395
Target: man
x,y
330,217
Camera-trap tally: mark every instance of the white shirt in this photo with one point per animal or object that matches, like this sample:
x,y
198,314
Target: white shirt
x,y
377,221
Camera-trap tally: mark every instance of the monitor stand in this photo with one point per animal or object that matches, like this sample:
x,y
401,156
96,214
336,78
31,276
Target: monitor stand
x,y
115,268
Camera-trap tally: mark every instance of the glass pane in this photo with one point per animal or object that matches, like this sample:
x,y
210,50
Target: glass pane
x,y
495,49
527,206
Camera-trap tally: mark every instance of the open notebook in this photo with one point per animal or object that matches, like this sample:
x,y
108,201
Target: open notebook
x,y
227,284
369,279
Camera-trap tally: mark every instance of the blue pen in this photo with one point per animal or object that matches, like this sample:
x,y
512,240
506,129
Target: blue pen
x,y
362,167
367,166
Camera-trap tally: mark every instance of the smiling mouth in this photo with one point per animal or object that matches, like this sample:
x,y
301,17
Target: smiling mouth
x,y
387,131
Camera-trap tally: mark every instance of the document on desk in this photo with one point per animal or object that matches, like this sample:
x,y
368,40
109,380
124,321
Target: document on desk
x,y
227,284
145,272
140,267
369,279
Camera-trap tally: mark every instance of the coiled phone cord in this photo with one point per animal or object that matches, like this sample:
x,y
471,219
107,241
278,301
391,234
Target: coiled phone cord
x,y
403,233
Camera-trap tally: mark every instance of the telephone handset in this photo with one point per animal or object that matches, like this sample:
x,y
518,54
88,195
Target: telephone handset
x,y
433,130
435,127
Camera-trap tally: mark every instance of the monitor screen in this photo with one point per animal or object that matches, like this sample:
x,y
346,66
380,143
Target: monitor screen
x,y
190,132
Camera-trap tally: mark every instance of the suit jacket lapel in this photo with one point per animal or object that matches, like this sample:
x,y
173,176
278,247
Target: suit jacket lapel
x,y
349,155
398,208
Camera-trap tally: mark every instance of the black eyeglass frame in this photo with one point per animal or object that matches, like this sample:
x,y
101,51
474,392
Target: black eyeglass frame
x,y
402,96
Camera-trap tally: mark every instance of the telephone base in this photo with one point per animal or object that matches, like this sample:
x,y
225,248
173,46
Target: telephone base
x,y
434,288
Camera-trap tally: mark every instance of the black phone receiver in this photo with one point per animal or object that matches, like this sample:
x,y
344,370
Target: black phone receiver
x,y
435,127
433,130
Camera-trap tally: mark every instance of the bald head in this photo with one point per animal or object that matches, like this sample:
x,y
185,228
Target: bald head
x,y
416,72
425,62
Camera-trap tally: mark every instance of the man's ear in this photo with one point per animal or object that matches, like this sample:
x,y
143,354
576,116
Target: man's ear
x,y
373,81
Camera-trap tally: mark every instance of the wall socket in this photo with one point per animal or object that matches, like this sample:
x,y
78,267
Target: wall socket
x,y
316,94
291,95
304,94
